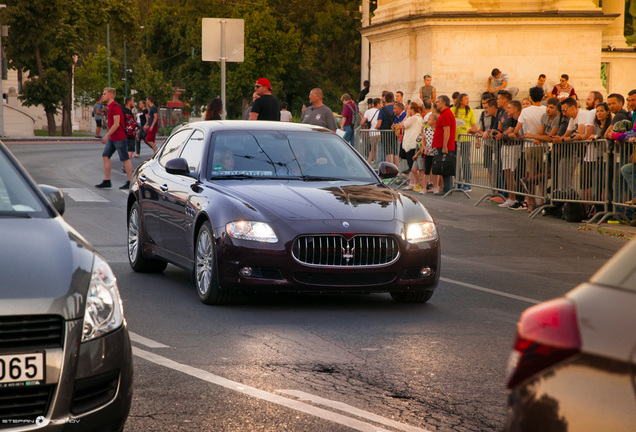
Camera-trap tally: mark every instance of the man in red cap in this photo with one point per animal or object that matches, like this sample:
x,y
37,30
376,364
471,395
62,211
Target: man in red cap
x,y
266,106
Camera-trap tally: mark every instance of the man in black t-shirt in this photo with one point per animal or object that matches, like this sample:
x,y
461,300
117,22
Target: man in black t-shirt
x,y
266,107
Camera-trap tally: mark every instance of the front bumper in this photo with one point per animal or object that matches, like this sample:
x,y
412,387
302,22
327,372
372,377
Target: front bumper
x,y
273,268
88,385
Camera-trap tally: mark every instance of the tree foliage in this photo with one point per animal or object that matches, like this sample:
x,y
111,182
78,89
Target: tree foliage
x,y
149,81
296,46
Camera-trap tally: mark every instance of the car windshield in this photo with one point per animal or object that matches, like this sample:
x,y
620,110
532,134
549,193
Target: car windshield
x,y
17,199
307,156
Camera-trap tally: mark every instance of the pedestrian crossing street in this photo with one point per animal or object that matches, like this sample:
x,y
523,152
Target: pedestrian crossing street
x,y
83,195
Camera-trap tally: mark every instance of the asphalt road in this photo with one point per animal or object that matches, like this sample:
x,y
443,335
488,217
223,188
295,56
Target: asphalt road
x,y
329,363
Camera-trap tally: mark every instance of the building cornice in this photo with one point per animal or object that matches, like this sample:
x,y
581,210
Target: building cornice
x,y
488,19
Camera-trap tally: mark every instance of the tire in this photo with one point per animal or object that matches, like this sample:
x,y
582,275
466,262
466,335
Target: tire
x,y
138,262
206,276
412,297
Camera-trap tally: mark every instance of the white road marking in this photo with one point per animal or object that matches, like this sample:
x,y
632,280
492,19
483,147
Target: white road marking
x,y
351,410
83,195
261,394
145,341
491,291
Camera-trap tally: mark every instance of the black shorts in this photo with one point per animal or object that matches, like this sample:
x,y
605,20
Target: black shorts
x,y
409,157
98,123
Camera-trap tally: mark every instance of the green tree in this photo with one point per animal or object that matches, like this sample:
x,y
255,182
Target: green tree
x,y
45,36
91,77
149,81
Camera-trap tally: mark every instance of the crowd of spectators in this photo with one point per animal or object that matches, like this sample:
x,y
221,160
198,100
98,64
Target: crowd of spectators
x,y
518,137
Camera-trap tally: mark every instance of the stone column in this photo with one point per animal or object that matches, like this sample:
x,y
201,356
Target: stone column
x,y
613,33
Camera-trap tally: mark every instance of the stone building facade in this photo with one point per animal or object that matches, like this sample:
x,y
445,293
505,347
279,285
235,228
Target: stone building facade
x,y
459,42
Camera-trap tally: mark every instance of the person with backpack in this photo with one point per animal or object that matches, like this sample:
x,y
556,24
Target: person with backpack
x,y
350,116
115,140
98,115
130,124
388,139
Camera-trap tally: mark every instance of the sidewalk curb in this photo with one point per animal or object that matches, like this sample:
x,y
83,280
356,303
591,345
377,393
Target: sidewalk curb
x,y
613,230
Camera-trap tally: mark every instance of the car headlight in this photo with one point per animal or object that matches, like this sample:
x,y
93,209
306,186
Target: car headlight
x,y
249,230
104,312
420,232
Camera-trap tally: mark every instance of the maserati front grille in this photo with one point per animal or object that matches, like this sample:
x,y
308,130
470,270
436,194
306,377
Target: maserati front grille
x,y
337,251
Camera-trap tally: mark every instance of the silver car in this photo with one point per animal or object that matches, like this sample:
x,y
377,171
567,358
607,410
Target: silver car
x,y
574,360
65,354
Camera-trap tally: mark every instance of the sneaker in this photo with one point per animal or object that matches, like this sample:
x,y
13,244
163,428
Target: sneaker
x,y
518,206
104,184
417,188
125,186
497,199
429,186
507,203
466,188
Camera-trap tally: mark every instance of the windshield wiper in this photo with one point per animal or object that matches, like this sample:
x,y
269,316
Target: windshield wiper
x,y
15,214
319,178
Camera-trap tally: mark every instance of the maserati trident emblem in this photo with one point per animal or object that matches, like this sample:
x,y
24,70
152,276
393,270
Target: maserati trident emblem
x,y
345,224
347,253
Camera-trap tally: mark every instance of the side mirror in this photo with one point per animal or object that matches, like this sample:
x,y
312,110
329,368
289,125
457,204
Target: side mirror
x,y
55,197
178,166
387,170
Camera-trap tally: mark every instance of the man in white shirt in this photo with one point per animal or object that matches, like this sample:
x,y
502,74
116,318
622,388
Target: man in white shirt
x,y
284,114
568,157
370,118
530,121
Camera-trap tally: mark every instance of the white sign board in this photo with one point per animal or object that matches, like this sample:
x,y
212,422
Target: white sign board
x,y
212,35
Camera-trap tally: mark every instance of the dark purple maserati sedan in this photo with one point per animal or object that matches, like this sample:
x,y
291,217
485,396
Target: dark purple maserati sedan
x,y
272,206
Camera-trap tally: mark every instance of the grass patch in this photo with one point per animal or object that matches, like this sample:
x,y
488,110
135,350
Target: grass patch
x,y
45,133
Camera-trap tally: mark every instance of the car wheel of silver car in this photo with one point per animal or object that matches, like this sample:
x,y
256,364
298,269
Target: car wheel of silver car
x,y
138,262
412,297
206,276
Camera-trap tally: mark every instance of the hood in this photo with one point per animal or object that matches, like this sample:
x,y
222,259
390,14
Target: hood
x,y
45,268
296,200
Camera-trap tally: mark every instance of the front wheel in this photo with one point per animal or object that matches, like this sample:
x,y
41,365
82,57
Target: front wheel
x,y
138,262
206,275
412,297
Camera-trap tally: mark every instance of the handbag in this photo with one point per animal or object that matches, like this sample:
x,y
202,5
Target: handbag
x,y
444,164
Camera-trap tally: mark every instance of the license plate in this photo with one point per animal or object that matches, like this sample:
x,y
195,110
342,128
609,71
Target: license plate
x,y
21,369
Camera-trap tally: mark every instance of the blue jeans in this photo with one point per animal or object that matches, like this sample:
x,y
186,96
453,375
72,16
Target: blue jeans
x,y
627,171
348,136
121,147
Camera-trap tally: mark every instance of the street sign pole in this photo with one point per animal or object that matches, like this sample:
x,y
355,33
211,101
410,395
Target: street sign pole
x,y
223,40
223,60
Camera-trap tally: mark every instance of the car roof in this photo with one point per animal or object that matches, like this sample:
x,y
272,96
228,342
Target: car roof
x,y
251,125
620,270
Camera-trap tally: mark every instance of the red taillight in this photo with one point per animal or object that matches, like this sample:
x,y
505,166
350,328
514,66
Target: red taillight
x,y
546,334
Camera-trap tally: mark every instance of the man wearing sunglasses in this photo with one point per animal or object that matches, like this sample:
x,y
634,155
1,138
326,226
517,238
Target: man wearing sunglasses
x,y
266,107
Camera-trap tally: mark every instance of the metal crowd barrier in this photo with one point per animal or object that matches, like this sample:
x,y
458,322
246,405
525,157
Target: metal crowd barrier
x,y
377,145
623,182
586,172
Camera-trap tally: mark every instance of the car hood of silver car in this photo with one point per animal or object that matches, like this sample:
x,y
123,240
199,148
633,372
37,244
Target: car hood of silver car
x,y
45,267
296,200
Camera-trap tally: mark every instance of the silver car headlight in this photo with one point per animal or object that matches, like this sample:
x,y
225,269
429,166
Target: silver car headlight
x,y
420,232
104,311
250,230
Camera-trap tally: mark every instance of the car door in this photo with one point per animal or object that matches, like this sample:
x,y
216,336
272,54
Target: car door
x,y
153,181
179,211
